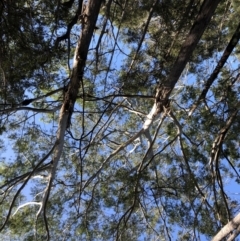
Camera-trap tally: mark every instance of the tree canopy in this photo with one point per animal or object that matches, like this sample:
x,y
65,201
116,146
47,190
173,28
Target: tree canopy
x,y
119,120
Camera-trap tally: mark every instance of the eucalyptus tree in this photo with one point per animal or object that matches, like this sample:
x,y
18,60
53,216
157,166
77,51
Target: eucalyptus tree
x,y
119,120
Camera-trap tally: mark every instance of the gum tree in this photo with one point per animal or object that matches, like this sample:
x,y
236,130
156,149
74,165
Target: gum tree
x,y
119,120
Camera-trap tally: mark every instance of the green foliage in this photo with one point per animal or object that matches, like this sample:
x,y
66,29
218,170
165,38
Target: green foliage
x,y
114,180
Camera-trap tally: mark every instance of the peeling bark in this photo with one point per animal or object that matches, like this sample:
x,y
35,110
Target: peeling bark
x,y
89,19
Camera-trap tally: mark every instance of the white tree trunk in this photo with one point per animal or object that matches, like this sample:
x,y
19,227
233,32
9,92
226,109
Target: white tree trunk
x,y
231,227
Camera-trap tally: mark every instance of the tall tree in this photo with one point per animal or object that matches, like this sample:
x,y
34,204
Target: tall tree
x,y
119,120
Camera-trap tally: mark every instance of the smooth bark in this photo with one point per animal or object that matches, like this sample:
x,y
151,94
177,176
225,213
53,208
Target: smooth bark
x,y
230,227
204,16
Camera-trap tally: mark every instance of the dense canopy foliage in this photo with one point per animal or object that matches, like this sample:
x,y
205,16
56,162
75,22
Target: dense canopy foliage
x,y
119,120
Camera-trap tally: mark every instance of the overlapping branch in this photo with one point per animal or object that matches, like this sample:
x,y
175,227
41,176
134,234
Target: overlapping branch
x,y
227,52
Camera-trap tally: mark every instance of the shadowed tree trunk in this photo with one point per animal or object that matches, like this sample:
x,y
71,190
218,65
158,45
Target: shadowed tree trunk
x,y
204,16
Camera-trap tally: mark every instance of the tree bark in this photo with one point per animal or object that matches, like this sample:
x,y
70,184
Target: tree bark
x,y
204,16
232,226
89,19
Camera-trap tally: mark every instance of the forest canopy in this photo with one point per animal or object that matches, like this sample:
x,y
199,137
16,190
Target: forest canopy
x,y
119,120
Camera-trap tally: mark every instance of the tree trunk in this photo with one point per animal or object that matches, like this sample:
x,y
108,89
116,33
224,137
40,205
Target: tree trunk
x,y
231,227
89,18
204,16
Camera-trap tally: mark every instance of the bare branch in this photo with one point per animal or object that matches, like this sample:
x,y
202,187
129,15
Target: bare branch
x,y
30,109
23,185
231,45
24,205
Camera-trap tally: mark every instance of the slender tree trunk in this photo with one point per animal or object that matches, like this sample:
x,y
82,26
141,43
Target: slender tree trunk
x,y
231,227
204,16
89,19
227,52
